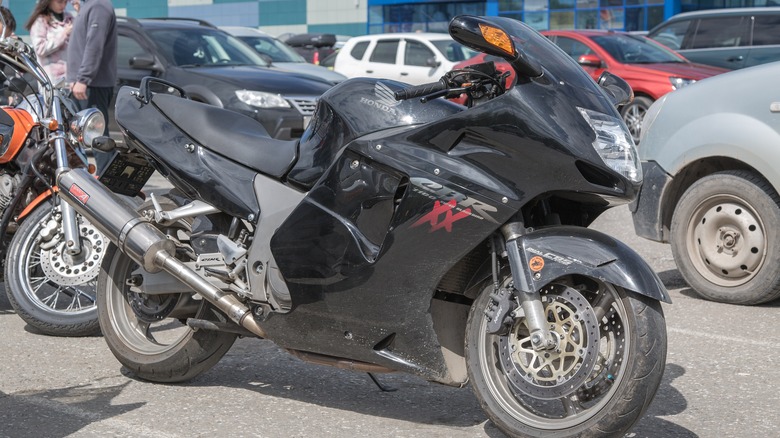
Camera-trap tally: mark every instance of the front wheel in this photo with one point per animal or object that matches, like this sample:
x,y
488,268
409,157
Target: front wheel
x,y
50,289
725,238
598,381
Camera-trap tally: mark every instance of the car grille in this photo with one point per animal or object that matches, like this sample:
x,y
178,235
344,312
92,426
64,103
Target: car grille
x,y
304,105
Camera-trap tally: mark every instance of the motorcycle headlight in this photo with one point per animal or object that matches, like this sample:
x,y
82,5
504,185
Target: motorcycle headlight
x,y
614,144
678,83
262,99
88,125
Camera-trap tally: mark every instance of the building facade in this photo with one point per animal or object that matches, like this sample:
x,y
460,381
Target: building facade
x,y
358,17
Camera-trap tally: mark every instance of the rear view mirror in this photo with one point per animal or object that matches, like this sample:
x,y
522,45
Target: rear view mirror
x,y
432,62
590,61
618,90
484,36
143,62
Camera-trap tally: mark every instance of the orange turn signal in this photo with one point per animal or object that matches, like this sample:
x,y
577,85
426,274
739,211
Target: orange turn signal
x,y
53,125
91,168
497,37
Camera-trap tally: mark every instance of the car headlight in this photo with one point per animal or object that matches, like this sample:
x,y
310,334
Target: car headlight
x,y
88,125
613,144
678,83
262,99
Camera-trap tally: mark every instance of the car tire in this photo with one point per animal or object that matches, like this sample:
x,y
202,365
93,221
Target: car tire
x,y
634,113
725,237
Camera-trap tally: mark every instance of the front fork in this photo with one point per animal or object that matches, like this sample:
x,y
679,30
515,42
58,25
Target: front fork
x,y
70,225
530,303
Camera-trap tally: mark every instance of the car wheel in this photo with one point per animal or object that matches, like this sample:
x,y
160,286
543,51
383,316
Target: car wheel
x,y
725,237
634,113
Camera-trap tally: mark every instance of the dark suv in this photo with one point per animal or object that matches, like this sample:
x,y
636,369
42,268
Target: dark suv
x,y
216,68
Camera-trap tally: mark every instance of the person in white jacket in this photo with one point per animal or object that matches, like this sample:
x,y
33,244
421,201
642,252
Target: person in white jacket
x,y
50,26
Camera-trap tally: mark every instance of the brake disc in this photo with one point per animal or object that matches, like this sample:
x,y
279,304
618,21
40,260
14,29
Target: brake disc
x,y
556,373
74,269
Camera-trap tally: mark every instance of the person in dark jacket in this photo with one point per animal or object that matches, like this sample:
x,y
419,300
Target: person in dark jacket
x,y
92,59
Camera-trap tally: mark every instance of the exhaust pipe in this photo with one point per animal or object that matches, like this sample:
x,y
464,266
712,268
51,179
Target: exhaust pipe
x,y
142,241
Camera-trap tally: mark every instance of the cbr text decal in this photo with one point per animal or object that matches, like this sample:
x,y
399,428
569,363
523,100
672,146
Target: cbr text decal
x,y
464,204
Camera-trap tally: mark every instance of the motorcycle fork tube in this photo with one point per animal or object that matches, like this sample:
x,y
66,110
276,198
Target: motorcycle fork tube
x,y
530,300
70,227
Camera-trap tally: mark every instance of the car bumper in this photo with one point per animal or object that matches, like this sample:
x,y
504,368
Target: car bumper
x,y
647,209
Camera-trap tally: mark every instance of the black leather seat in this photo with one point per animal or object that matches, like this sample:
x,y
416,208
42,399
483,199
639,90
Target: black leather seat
x,y
233,135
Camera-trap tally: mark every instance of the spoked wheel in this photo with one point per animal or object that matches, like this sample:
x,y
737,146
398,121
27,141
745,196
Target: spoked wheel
x,y
51,289
148,333
634,114
598,381
725,238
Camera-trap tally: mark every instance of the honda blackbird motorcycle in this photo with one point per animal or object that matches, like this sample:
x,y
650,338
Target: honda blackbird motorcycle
x,y
52,255
402,232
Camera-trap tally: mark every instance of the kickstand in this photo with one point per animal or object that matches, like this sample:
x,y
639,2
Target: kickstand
x,y
380,385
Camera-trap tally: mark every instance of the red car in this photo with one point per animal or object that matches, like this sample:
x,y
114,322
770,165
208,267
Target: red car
x,y
650,68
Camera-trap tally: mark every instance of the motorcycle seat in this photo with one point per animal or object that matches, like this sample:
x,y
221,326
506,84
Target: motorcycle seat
x,y
230,134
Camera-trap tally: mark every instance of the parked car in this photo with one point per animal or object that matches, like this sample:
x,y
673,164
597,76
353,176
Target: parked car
x,y
280,55
651,69
729,38
414,58
216,68
314,47
711,161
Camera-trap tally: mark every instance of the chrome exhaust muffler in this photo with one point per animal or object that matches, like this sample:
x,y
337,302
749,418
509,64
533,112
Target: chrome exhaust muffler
x,y
142,241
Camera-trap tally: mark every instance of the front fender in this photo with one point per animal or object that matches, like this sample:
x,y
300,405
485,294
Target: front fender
x,y
559,251
42,197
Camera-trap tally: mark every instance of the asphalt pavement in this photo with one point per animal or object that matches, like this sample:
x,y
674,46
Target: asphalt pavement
x,y
722,379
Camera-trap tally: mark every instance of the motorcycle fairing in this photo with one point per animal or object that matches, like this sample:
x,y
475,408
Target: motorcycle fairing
x,y
560,251
190,166
15,126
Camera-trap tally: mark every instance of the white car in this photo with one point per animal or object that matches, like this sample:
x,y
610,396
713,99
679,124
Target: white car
x,y
414,58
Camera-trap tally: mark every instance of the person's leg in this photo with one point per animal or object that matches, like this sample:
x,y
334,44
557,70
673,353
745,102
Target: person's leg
x,y
100,98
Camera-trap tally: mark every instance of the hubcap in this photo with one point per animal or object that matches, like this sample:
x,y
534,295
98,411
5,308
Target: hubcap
x,y
726,241
633,118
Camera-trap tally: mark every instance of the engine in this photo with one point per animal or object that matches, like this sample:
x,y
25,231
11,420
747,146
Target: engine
x,y
8,186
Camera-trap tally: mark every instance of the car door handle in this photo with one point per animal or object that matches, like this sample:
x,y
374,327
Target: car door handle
x,y
736,58
403,73
369,71
774,107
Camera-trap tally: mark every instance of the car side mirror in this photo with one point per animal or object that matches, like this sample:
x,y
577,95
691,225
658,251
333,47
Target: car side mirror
x,y
590,61
432,62
268,60
144,62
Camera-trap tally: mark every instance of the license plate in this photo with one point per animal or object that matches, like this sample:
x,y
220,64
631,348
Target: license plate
x,y
126,174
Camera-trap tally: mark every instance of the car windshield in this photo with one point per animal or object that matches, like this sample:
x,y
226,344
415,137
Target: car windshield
x,y
453,50
273,48
632,49
203,47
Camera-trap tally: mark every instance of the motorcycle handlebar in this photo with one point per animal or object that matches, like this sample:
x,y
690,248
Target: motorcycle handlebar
x,y
421,90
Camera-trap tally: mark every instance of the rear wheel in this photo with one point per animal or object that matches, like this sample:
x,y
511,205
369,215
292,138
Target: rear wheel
x,y
597,382
50,289
148,334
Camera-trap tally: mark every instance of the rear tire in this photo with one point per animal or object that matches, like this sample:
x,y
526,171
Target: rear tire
x,y
148,333
605,401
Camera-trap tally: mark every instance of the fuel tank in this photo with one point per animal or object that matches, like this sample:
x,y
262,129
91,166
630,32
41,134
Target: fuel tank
x,y
352,109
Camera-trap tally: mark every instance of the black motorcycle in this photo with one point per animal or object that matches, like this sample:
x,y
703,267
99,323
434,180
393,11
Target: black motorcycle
x,y
403,232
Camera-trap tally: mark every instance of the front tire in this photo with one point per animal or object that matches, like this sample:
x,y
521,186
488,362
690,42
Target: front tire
x,y
634,114
48,288
725,237
598,382
148,334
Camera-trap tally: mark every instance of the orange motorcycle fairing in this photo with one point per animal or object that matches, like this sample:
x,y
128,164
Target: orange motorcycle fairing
x,y
16,124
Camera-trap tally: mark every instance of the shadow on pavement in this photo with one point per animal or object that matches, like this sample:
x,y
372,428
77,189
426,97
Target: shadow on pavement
x,y
668,401
59,412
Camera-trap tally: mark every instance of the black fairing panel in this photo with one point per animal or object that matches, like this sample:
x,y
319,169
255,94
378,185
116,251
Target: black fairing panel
x,y
201,173
354,108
